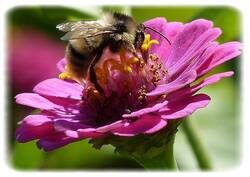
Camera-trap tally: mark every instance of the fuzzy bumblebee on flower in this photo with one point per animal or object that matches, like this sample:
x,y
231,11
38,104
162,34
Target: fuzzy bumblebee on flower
x,y
126,84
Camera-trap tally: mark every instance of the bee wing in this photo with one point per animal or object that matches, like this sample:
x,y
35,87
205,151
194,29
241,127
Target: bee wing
x,y
83,29
72,26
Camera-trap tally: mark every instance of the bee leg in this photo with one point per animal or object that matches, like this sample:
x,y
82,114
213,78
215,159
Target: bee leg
x,y
92,73
131,48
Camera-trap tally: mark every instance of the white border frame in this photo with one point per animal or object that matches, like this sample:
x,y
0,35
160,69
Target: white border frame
x,y
241,5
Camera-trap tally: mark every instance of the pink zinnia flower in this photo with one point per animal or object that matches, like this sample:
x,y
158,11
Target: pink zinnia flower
x,y
141,95
32,55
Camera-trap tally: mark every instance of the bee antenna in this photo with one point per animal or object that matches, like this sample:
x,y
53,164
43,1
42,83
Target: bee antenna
x,y
159,34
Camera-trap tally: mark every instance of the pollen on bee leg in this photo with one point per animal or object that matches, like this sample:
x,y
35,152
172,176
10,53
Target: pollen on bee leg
x,y
65,76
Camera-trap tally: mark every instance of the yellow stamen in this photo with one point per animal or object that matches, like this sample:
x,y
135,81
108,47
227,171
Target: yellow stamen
x,y
128,69
144,47
124,65
147,43
147,38
153,42
133,60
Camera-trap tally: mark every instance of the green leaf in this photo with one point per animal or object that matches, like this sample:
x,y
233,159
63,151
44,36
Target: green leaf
x,y
120,9
81,155
219,128
181,14
45,18
226,18
26,156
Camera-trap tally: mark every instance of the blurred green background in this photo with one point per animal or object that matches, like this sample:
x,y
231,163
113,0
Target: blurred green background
x,y
34,47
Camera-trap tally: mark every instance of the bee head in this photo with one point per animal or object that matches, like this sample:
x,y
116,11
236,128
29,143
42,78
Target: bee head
x,y
139,35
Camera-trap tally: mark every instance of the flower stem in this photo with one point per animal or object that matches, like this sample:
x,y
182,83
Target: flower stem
x,y
164,160
194,140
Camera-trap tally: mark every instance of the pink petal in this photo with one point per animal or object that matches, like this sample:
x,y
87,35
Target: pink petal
x,y
34,127
221,54
61,139
109,127
180,82
146,124
55,141
157,24
191,90
201,58
185,40
84,133
60,106
170,30
183,108
143,111
197,46
35,101
59,88
68,124
36,120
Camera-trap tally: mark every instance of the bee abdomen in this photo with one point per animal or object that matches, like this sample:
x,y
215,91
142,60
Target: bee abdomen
x,y
78,62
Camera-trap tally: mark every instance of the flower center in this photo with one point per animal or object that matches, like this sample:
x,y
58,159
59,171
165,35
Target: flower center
x,y
125,80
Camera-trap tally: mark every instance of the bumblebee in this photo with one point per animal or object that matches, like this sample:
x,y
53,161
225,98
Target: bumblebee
x,y
87,39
